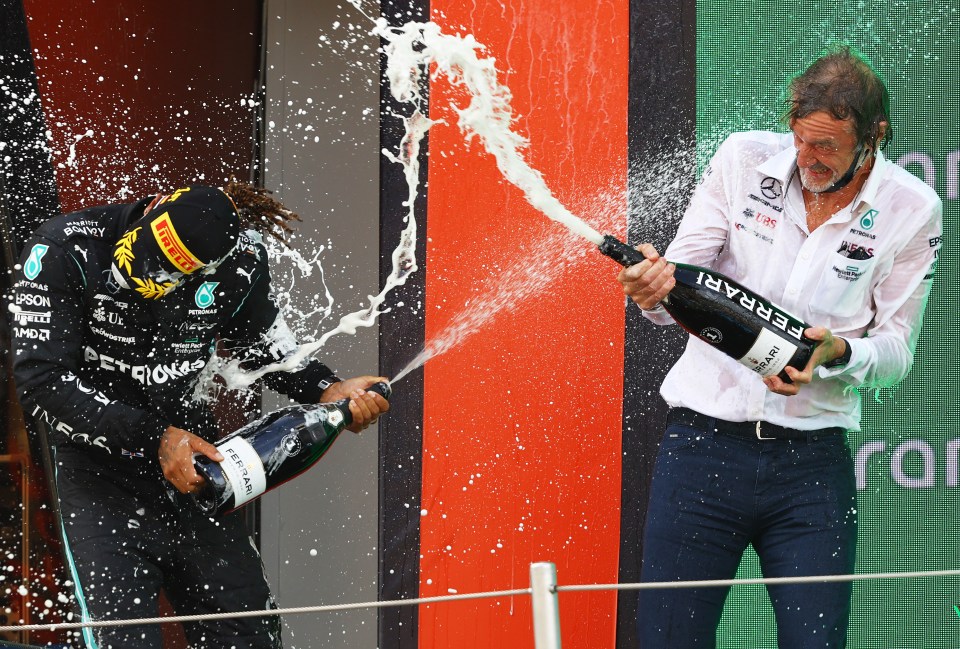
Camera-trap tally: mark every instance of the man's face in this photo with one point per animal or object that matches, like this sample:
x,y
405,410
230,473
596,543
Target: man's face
x,y
826,147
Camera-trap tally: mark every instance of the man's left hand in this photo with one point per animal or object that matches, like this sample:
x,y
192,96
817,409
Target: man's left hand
x,y
830,347
365,407
177,447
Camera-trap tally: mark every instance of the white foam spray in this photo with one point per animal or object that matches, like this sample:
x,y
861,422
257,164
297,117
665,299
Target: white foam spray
x,y
403,264
411,49
497,297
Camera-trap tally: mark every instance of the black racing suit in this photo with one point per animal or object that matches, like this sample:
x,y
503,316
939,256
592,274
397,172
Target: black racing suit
x,y
108,371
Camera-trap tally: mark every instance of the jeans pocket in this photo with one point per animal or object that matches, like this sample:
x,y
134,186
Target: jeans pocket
x,y
678,437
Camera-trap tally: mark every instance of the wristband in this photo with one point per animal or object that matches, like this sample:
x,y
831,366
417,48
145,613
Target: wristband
x,y
841,360
327,382
657,308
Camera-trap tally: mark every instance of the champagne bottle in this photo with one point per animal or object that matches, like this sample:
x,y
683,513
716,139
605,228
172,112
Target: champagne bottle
x,y
728,316
270,451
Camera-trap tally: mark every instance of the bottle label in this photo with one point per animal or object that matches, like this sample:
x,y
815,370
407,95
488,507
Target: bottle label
x,y
769,354
773,314
243,469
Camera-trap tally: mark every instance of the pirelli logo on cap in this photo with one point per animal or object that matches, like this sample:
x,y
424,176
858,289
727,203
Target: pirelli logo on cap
x,y
172,246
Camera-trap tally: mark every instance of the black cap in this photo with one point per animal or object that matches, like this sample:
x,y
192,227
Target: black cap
x,y
182,233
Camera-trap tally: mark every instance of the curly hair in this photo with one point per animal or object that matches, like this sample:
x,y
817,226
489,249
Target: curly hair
x,y
259,211
842,83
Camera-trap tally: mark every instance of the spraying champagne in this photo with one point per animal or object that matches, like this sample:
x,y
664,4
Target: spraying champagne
x,y
710,306
270,451
729,317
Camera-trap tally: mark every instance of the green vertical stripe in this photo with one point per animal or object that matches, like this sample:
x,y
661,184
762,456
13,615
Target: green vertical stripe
x,y
747,50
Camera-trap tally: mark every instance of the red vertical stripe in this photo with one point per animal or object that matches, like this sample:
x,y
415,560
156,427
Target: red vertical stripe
x,y
522,421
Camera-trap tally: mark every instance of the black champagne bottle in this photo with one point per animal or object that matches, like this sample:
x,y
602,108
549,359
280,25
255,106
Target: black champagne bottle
x,y
270,451
728,316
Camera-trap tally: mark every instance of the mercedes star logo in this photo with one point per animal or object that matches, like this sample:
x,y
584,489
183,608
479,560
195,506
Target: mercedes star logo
x,y
771,188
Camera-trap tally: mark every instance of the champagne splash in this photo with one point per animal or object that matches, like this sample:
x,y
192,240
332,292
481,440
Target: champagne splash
x,y
403,264
526,278
411,48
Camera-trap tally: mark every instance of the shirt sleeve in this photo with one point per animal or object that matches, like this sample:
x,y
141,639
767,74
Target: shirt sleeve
x,y
884,356
703,231
48,324
258,336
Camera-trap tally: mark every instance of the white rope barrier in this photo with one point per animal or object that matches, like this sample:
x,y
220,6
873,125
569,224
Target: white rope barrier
x,y
265,612
543,572
815,579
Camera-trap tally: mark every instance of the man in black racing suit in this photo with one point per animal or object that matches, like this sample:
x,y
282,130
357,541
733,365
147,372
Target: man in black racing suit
x,y
108,354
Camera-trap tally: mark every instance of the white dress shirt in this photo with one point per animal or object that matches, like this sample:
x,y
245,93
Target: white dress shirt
x,y
865,275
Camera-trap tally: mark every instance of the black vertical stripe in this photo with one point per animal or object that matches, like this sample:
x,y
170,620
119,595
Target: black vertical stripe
x,y
661,123
401,338
29,189
28,197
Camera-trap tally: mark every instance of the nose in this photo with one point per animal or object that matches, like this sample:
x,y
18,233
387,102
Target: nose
x,y
805,154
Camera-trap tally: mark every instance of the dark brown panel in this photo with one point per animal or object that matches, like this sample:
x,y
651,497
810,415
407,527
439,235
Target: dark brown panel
x,y
140,96
401,338
662,124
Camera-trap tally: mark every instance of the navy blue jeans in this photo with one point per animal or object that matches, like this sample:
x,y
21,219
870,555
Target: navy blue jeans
x,y
715,492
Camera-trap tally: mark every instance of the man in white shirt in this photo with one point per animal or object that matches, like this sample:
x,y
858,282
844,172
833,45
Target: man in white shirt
x,y
819,222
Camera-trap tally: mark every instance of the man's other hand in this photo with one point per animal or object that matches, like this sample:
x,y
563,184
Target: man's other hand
x,y
366,407
649,281
177,447
829,348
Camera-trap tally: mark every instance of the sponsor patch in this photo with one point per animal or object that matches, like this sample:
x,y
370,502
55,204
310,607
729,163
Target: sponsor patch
x,y
32,334
32,317
172,246
771,187
759,235
775,208
32,299
84,228
854,250
34,263
205,297
849,273
145,374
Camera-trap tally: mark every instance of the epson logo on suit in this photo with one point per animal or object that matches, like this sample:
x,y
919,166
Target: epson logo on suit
x,y
32,299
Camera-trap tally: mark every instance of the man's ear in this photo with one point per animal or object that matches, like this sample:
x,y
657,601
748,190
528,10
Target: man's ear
x,y
159,198
881,133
